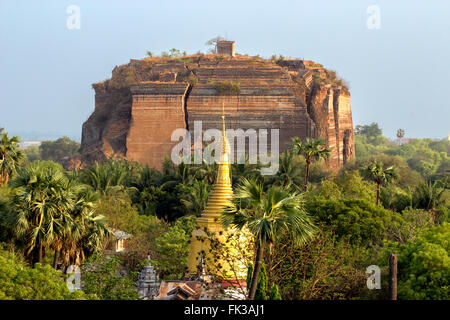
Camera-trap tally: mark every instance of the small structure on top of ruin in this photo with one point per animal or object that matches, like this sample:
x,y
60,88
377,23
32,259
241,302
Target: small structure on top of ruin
x,y
225,47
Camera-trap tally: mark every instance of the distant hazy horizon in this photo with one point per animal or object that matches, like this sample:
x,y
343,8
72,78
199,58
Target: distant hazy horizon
x,y
398,74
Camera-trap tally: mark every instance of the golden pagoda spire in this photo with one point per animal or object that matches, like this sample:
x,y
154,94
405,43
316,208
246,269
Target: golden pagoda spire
x,y
223,191
209,223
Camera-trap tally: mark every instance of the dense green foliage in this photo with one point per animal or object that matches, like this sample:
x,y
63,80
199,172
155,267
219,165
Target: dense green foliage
x,y
20,282
52,218
32,153
58,149
102,279
166,244
327,267
362,221
430,158
171,251
424,265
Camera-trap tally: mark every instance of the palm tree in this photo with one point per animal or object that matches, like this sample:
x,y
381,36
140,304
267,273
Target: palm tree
x,y
10,157
147,190
205,171
50,210
196,197
267,215
147,177
88,235
400,133
244,169
107,178
85,233
289,172
429,195
380,175
175,174
41,204
311,149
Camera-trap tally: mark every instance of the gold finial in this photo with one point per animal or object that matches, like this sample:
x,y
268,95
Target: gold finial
x,y
223,119
224,137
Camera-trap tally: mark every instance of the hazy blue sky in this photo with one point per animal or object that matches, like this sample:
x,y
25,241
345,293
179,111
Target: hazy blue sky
x,y
398,75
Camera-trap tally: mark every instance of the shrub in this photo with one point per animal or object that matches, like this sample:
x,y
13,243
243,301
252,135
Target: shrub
x,y
32,153
315,65
317,79
429,195
171,252
353,186
414,221
192,79
58,149
185,60
101,277
424,265
362,221
19,282
324,268
261,286
228,88
395,198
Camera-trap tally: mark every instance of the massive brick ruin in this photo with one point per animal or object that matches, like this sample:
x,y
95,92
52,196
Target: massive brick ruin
x,y
137,110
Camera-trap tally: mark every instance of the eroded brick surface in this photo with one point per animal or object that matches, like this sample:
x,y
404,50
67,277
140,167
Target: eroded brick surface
x,y
137,110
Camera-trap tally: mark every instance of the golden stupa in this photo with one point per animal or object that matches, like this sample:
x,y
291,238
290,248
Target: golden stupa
x,y
209,223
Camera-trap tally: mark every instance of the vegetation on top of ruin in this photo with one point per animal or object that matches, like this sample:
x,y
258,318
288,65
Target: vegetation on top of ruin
x,y
181,63
313,65
228,88
331,78
192,79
